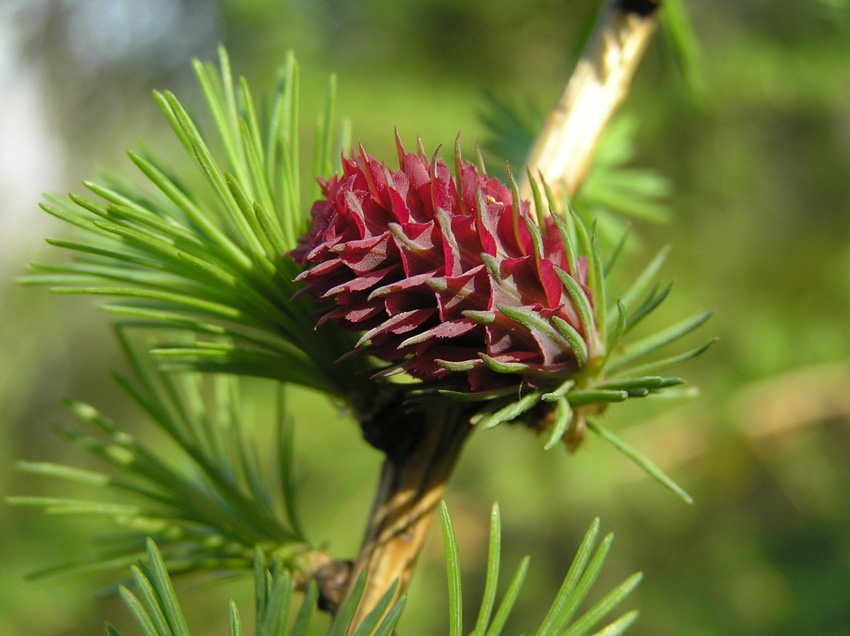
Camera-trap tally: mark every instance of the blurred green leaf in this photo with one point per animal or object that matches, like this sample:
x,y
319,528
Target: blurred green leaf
x,y
213,262
207,512
158,611
579,579
641,460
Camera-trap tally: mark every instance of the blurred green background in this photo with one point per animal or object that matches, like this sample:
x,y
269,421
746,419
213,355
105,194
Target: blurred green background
x,y
760,161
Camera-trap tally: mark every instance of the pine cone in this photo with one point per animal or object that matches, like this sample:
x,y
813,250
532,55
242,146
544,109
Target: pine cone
x,y
449,277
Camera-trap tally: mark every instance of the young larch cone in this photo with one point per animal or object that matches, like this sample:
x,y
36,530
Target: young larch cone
x,y
449,277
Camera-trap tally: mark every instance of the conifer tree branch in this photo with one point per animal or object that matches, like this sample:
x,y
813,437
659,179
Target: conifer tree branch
x,y
218,274
563,149
418,466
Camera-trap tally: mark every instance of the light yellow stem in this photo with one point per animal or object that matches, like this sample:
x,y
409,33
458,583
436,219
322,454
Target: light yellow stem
x,y
410,487
563,149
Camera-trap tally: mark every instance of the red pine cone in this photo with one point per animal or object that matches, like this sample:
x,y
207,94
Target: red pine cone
x,y
423,263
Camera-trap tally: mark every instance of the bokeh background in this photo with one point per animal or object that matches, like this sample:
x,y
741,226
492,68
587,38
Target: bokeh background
x,y
760,161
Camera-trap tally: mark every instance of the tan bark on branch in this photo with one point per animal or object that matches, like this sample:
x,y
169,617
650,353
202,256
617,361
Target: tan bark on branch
x,y
563,150
410,487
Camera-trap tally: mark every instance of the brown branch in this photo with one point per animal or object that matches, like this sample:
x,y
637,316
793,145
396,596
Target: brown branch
x,y
413,479
331,577
563,149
